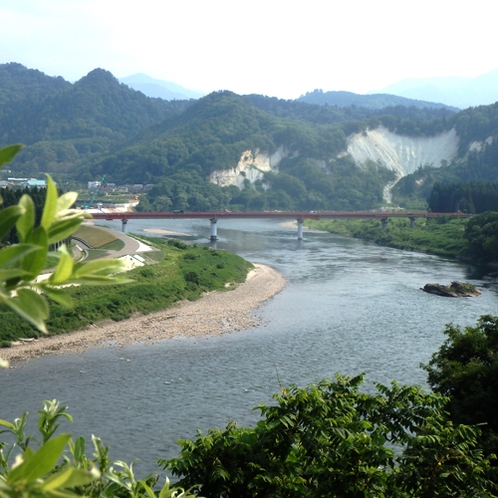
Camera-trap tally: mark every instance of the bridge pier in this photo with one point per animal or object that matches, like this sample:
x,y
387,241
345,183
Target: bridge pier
x,y
412,221
384,223
213,234
123,225
300,222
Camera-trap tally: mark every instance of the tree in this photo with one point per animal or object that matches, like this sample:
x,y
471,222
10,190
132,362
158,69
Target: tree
x,y
465,368
332,440
481,233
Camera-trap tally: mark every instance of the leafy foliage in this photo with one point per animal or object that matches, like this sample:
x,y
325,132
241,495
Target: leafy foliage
x,y
465,368
59,467
332,440
481,233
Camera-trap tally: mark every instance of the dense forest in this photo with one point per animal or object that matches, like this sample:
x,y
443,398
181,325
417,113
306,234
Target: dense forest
x,y
78,132
468,197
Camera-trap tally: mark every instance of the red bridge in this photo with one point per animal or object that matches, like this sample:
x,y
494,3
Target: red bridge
x,y
300,216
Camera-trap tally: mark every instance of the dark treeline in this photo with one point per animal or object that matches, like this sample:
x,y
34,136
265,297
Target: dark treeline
x,y
469,197
11,197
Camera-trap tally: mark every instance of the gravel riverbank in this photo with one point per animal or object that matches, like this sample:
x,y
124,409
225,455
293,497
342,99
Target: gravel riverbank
x,y
215,313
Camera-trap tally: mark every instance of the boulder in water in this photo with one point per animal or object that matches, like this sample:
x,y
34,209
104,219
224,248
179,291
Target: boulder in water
x,y
455,289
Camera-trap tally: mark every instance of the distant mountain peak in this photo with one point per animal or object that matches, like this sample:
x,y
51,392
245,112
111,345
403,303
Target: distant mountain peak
x,y
156,88
98,76
461,92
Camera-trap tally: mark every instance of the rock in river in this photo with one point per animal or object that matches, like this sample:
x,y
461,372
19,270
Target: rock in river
x,y
455,289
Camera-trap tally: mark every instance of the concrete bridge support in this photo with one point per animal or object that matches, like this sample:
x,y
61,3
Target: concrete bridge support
x,y
123,225
213,235
300,229
384,223
412,221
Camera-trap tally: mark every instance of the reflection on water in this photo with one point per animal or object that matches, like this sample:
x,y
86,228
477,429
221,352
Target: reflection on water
x,y
349,307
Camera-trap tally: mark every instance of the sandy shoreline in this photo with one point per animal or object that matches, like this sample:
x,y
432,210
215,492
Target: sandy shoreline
x,y
214,314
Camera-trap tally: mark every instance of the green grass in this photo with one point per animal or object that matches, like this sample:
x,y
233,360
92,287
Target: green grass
x,y
182,272
440,236
115,245
95,237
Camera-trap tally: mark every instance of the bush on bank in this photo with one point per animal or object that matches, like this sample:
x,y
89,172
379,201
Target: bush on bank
x,y
440,236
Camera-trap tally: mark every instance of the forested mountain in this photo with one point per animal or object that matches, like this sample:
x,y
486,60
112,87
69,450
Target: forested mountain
x,y
19,83
226,151
182,154
374,101
64,125
348,115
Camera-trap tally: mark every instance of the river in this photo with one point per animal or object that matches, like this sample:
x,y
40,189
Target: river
x,y
349,307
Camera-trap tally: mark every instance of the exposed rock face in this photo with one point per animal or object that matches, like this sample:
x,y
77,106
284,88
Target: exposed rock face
x,y
399,153
455,289
250,167
402,154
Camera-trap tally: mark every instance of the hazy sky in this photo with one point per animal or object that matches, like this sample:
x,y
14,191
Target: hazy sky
x,y
270,47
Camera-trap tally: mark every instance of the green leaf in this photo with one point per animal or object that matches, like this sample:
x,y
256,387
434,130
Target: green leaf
x,y
58,295
8,153
69,478
64,269
10,425
30,306
49,209
10,254
78,450
34,262
9,217
26,222
62,229
36,465
12,273
65,201
100,280
97,268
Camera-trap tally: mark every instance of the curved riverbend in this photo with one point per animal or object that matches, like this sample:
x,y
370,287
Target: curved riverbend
x,y
348,307
216,313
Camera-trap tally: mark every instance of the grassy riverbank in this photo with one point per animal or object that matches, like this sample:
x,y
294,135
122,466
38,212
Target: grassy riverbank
x,y
176,271
441,236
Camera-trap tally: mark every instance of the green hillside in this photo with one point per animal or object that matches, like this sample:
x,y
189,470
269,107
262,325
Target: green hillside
x,y
64,125
294,153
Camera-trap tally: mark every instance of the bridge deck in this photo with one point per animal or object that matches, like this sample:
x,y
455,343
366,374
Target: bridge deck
x,y
297,215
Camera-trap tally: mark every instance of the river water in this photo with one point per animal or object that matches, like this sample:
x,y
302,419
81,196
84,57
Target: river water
x,y
349,307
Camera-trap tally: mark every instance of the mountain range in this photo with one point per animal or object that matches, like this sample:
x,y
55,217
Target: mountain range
x,y
228,151
453,91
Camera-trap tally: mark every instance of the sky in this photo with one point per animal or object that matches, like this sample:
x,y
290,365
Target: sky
x,y
270,47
